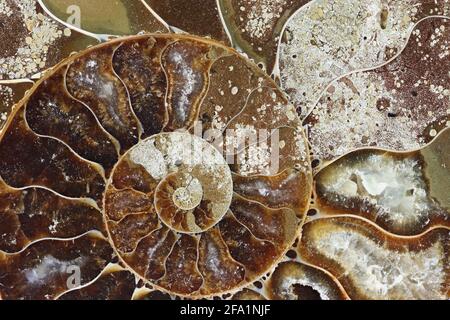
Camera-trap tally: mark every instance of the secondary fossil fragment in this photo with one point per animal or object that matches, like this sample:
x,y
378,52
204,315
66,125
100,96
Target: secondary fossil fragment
x,y
31,42
111,130
404,193
400,106
330,38
118,17
371,264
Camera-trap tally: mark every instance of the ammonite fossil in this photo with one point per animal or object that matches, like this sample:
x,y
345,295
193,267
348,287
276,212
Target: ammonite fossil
x,y
109,135
312,161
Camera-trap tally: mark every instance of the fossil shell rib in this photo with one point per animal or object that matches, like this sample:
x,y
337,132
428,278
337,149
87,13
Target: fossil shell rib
x,y
101,133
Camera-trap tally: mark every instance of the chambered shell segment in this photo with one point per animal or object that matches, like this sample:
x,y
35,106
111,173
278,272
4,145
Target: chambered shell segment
x,y
361,256
380,223
189,180
102,164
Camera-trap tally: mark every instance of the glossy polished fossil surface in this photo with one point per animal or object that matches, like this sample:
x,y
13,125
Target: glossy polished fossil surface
x,y
129,169
98,139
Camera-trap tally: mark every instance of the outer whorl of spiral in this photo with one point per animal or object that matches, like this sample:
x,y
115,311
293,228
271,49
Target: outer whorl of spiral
x,y
101,164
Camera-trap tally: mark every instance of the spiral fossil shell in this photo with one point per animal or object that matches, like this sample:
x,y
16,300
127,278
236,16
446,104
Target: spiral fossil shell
x,y
100,163
131,170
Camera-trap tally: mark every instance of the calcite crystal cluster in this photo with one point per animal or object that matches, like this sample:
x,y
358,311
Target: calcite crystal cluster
x,y
128,169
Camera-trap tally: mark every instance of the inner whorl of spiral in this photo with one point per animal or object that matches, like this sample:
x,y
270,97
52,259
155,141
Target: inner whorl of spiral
x,y
194,183
189,196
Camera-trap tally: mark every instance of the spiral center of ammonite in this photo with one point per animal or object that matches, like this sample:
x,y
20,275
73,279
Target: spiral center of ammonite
x,y
189,197
185,178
